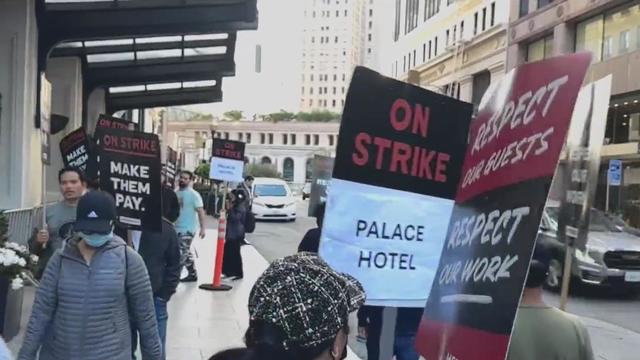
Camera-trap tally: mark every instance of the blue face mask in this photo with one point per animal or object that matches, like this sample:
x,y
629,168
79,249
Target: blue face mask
x,y
96,240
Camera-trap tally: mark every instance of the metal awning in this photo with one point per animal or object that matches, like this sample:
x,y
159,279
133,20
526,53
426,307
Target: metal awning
x,y
148,45
163,94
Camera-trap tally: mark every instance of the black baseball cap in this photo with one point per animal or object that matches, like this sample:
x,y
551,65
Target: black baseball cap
x,y
96,213
305,298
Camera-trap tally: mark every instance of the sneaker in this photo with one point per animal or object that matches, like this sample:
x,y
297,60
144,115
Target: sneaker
x,y
189,278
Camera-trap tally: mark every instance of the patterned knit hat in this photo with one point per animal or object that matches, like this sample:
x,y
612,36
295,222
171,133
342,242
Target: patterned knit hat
x,y
305,298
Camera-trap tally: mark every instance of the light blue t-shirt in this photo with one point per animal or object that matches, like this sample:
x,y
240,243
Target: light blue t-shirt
x,y
190,200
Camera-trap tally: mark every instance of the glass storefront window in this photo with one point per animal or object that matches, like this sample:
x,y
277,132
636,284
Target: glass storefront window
x,y
623,120
589,36
540,49
614,33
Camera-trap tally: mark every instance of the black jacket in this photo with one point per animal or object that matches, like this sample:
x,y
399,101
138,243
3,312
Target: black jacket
x,y
311,241
161,254
235,223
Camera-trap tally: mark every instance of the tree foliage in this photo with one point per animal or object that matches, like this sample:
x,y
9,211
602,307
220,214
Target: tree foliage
x,y
318,116
261,170
203,170
281,115
233,115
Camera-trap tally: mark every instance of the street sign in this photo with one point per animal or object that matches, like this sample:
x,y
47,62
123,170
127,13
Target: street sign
x,y
227,162
514,146
615,172
396,170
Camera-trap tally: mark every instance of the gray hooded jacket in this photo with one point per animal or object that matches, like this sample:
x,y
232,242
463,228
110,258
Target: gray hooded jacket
x,y
82,311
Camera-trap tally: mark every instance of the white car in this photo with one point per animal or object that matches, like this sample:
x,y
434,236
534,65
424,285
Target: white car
x,y
272,199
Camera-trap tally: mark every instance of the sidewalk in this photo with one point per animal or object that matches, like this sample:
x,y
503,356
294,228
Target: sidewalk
x,y
202,323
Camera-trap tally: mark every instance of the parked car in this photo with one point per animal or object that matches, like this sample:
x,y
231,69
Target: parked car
x,y
306,191
273,199
611,257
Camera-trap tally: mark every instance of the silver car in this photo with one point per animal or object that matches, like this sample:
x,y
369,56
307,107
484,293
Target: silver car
x,y
611,257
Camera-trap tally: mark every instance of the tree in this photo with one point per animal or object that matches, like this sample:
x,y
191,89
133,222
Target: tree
x,y
318,116
281,115
233,115
261,170
203,170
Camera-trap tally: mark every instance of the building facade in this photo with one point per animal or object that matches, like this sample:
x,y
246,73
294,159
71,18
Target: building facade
x,y
288,146
610,30
456,48
338,35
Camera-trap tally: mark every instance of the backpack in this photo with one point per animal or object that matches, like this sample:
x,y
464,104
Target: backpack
x,y
249,222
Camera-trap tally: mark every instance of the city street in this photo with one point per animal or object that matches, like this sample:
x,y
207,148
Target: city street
x,y
278,239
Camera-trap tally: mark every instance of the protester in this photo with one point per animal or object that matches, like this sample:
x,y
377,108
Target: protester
x,y
407,322
236,215
299,310
90,291
60,217
542,331
161,254
311,240
191,213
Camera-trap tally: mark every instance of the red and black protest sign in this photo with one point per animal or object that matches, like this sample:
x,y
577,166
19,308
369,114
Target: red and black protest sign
x,y
110,122
130,170
397,166
78,152
514,147
227,162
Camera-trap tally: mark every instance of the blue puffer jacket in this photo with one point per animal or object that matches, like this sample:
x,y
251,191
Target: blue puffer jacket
x,y
81,311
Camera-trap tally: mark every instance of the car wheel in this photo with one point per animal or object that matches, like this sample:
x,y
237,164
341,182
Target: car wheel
x,y
554,276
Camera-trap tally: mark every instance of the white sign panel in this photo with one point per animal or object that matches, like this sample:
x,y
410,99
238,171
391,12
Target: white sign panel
x,y
226,169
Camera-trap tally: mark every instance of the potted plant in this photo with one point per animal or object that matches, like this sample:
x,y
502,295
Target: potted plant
x,y
16,266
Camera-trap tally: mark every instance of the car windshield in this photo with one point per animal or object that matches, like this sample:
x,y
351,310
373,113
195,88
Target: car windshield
x,y
270,190
597,220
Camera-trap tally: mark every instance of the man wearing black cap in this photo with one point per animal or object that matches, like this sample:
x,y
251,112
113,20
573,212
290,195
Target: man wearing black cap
x,y
542,331
90,292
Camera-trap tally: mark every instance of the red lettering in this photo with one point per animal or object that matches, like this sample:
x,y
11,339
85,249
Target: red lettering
x,y
416,161
421,120
425,164
382,144
361,156
400,124
400,156
441,167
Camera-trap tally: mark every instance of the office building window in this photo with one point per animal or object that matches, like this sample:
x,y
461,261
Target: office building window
x,y
344,77
484,19
293,139
262,138
335,90
461,30
446,38
248,138
285,139
335,77
369,37
370,25
342,103
331,140
337,13
307,139
310,102
333,103
303,90
226,135
343,90
429,49
435,47
524,8
311,91
455,32
414,58
540,49
431,7
240,136
424,52
610,34
543,3
475,23
411,15
346,13
316,139
396,27
493,13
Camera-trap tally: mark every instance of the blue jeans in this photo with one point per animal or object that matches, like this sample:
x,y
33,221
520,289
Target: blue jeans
x,y
162,316
404,347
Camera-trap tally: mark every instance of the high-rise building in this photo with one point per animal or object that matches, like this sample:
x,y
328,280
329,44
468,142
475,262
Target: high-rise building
x,y
338,35
453,47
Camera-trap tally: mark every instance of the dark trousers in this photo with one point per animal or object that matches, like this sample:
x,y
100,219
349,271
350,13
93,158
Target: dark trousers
x,y
162,316
232,259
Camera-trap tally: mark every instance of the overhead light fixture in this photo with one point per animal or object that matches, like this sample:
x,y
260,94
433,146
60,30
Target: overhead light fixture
x,y
624,124
626,115
626,103
635,101
615,105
